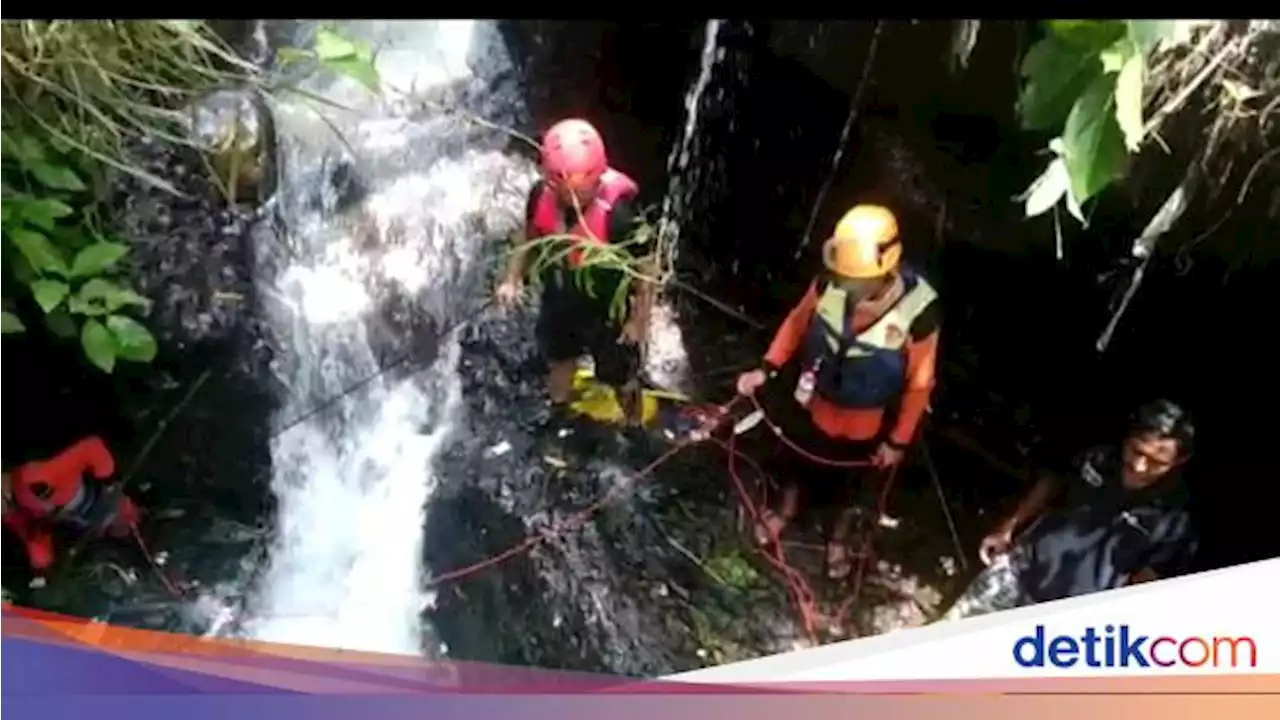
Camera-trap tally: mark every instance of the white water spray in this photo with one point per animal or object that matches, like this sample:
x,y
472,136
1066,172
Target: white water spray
x,y
351,482
667,361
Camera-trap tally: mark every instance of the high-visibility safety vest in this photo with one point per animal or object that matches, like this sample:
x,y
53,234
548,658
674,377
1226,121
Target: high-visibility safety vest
x,y
593,225
866,369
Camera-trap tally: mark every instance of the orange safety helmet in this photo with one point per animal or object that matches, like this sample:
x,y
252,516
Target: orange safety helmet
x,y
865,243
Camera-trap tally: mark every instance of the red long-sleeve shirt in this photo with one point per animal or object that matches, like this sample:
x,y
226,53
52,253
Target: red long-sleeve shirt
x,y
861,424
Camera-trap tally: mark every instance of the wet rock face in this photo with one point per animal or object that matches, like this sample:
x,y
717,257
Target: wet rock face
x,y
192,256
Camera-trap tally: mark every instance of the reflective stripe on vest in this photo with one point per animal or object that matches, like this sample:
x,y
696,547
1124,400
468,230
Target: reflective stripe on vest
x,y
887,333
867,370
593,225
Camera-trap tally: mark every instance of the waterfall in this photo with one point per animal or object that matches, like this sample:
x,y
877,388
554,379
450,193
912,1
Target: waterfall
x,y
383,226
667,362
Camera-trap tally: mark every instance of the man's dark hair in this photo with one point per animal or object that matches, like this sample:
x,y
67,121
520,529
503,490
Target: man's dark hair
x,y
1166,419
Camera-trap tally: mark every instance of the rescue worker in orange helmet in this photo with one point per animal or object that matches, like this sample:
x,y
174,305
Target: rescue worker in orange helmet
x,y
45,493
866,333
582,196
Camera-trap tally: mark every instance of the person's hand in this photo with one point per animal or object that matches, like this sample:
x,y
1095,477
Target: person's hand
x,y
509,291
633,331
995,544
887,456
750,381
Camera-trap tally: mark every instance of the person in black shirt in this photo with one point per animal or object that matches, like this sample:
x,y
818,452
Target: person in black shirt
x,y
1122,518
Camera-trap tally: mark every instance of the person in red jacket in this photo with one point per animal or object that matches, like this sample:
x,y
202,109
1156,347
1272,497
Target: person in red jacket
x,y
866,335
45,493
581,196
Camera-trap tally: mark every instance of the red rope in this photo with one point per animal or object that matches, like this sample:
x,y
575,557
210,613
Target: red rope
x,y
579,518
798,587
155,565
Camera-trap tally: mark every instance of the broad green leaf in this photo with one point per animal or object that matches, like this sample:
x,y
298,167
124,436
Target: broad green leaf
x,y
1047,189
9,323
133,341
60,323
1129,86
57,177
1092,142
1055,75
98,257
1088,35
44,212
329,45
1147,34
99,297
99,345
49,294
359,69
1114,57
38,251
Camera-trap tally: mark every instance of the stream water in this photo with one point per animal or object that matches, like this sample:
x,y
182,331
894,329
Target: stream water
x,y
384,229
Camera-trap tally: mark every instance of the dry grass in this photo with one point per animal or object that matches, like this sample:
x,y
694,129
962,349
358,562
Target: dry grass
x,y
96,86
1217,98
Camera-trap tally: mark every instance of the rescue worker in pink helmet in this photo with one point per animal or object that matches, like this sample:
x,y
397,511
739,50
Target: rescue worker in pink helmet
x,y
580,195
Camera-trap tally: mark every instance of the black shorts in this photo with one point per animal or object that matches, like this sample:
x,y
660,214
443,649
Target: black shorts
x,y
822,486
573,323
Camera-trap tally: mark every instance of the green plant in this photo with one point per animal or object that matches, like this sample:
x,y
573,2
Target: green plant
x,y
76,95
56,246
1085,82
628,258
345,56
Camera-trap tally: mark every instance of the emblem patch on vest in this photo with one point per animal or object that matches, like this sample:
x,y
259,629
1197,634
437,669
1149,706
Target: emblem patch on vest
x,y
893,335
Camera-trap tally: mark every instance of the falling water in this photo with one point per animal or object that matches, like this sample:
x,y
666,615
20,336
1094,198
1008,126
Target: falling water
x,y
385,226
667,361
850,120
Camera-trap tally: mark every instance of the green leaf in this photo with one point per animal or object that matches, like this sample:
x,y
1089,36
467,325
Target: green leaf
x,y
1056,74
1048,189
60,323
359,69
1114,57
1092,143
44,212
38,251
1129,85
98,257
1147,34
49,294
99,345
1088,35
133,341
9,323
26,149
99,297
329,45
57,177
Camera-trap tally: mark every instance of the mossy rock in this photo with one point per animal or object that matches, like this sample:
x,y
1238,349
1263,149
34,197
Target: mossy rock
x,y
237,133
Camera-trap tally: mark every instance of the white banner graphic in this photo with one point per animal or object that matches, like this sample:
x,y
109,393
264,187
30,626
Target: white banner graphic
x,y
1220,622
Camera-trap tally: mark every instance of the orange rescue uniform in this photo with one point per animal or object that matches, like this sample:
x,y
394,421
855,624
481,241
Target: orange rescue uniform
x,y
865,424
